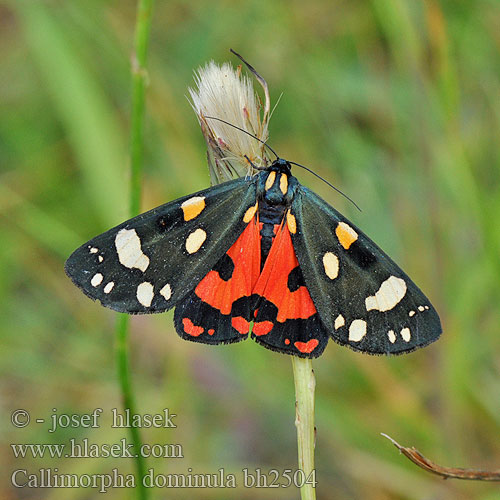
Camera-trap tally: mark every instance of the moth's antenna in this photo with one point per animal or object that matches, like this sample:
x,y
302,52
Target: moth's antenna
x,y
278,157
325,181
246,132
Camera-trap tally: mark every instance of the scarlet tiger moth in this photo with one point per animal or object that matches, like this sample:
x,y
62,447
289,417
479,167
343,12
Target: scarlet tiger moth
x,y
263,256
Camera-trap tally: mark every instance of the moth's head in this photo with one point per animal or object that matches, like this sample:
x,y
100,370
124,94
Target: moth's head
x,y
281,166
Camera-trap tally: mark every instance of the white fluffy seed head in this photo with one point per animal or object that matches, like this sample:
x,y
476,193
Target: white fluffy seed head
x,y
222,92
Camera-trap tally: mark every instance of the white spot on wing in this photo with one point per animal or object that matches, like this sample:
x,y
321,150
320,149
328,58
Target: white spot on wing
x,y
166,291
390,293
411,313
93,250
100,258
109,286
195,240
331,265
145,293
392,336
406,334
339,321
96,279
128,247
357,330
421,308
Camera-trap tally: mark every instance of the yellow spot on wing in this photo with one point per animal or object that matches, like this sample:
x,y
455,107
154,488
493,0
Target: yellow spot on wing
x,y
193,207
250,213
291,222
284,183
270,180
345,234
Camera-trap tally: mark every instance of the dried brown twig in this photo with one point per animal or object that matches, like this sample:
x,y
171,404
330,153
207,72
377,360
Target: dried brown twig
x,y
445,472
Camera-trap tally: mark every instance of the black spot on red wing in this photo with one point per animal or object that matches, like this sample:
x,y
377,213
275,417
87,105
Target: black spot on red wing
x,y
225,267
243,307
267,311
295,279
363,257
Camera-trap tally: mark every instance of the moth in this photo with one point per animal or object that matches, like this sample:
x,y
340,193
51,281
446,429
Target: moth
x,y
263,257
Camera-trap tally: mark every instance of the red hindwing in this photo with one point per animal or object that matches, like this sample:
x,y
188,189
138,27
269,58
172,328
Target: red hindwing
x,y
273,281
245,256
237,292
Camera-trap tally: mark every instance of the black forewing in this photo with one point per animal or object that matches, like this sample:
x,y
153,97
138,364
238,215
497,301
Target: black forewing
x,y
162,233
363,267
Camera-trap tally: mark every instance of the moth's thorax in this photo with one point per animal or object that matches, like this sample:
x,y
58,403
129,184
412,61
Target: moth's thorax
x,y
276,185
276,189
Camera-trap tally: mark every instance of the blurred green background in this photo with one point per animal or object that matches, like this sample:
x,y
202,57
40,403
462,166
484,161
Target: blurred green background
x,y
396,102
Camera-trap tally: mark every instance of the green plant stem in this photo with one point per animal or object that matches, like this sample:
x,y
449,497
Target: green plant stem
x,y
128,399
139,80
305,385
138,65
